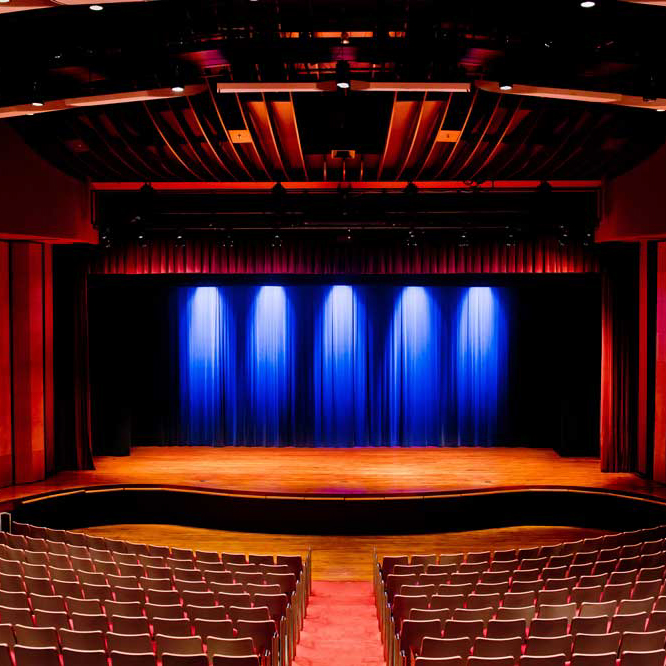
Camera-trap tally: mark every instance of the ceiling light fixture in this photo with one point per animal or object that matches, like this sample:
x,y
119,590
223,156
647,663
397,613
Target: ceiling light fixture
x,y
177,89
344,38
588,4
505,86
96,8
342,75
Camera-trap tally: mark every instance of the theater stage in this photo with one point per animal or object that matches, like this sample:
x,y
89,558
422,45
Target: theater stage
x,y
356,472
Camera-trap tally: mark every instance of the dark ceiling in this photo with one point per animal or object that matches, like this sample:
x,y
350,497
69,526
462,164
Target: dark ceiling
x,y
338,136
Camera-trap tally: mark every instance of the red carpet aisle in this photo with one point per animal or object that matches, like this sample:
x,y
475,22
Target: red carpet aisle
x,y
341,627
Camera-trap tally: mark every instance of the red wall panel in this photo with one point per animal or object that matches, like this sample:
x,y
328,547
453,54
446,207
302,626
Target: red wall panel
x,y
659,470
28,361
6,470
49,417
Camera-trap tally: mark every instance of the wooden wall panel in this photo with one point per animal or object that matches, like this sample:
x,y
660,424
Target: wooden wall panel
x,y
6,469
659,470
28,361
49,416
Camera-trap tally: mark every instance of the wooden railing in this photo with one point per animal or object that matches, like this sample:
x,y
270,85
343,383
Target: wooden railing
x,y
286,640
387,628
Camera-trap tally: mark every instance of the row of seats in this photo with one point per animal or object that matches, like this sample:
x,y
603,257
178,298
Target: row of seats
x,y
580,564
514,648
587,594
87,600
617,585
30,646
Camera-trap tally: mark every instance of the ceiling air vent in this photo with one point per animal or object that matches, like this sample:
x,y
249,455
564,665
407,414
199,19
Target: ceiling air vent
x,y
343,154
447,136
240,136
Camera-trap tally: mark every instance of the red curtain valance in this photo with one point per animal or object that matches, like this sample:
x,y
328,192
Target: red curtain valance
x,y
320,258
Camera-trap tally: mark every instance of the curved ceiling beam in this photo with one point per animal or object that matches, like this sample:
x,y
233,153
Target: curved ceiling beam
x,y
98,100
576,95
26,5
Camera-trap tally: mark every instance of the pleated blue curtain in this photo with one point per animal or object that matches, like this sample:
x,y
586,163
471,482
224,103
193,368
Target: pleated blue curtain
x,y
341,365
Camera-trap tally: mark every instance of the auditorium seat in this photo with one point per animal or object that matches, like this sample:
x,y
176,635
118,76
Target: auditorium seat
x,y
57,619
490,661
36,636
643,641
54,603
607,659
168,626
471,629
506,628
443,661
596,643
163,597
227,599
567,611
130,594
72,657
647,658
129,624
498,647
89,622
184,660
543,646
207,628
440,648
246,660
86,606
125,659
263,590
230,647
526,613
629,622
547,660
129,643
548,626
187,574
441,614
581,595
590,609
413,632
36,656
190,645
402,605
126,608
261,632
448,601
205,612
473,614
589,625
82,640
172,611
15,616
64,575
5,655
417,590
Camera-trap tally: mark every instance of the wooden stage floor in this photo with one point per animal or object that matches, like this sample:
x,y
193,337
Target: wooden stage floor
x,y
343,472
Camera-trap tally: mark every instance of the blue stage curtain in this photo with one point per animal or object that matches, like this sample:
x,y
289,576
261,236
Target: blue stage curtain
x,y
341,365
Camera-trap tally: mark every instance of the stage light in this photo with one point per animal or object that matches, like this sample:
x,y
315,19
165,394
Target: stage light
x,y
342,74
463,240
505,86
96,8
36,100
349,236
588,4
344,38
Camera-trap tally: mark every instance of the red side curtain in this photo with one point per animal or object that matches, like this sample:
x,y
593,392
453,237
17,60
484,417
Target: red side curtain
x,y
72,399
619,359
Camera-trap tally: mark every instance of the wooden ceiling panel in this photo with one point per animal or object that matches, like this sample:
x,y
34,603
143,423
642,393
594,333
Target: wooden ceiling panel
x,y
391,138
